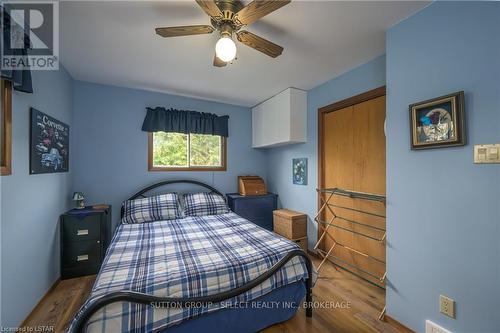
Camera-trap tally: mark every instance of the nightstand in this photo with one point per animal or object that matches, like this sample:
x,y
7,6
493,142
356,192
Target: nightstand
x,y
255,208
85,236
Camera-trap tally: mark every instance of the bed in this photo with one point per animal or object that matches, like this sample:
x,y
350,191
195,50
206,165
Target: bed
x,y
211,273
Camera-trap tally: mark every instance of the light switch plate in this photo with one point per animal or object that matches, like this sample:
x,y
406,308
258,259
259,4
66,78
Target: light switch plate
x,y
447,306
487,153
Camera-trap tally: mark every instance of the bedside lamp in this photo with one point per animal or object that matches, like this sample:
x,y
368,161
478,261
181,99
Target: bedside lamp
x,y
79,200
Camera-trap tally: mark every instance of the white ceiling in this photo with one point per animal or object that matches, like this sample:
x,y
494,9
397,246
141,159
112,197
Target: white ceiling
x,y
114,43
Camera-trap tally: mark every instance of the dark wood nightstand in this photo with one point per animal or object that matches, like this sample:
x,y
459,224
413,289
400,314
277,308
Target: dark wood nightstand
x,y
255,208
85,236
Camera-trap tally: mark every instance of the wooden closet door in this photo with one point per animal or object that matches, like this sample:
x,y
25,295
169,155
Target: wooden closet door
x,y
338,172
353,151
369,176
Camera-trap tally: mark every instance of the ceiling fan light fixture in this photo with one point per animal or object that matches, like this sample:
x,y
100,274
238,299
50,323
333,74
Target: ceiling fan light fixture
x,y
228,17
225,49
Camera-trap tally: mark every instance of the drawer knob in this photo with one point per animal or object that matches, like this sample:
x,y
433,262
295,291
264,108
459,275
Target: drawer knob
x,y
82,257
82,232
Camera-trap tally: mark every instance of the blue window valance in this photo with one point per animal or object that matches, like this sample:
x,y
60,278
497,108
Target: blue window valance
x,y
184,121
20,78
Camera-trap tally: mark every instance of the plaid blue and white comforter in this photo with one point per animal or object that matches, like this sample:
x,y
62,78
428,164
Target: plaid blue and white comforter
x,y
190,257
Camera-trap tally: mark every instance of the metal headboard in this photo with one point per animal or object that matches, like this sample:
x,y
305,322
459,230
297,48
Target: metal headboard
x,y
141,193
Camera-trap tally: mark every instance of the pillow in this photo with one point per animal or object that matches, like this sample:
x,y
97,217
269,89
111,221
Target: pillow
x,y
157,208
202,204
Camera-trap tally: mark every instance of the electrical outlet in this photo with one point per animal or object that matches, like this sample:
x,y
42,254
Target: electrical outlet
x,y
431,327
447,306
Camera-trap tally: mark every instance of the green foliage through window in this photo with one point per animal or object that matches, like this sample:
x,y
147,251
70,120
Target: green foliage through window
x,y
178,150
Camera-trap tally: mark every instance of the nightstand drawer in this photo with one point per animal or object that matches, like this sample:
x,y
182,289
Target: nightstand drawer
x,y
76,229
86,253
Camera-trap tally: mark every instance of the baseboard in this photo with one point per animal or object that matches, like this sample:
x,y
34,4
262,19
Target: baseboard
x,y
52,287
398,325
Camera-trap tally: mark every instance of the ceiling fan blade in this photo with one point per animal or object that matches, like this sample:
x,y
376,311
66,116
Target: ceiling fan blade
x,y
258,9
187,30
210,7
259,43
218,62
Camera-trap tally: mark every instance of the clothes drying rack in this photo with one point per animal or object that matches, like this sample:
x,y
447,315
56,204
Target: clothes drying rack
x,y
326,196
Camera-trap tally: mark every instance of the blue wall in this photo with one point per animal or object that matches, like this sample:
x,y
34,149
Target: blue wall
x,y
31,204
279,160
443,211
111,163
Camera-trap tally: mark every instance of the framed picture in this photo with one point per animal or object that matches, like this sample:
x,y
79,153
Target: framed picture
x,y
439,122
299,171
49,144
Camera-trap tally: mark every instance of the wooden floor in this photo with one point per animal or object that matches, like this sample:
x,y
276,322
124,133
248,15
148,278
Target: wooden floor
x,y
364,301
59,306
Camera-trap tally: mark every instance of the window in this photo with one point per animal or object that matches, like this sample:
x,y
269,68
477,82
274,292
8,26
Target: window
x,y
6,128
186,152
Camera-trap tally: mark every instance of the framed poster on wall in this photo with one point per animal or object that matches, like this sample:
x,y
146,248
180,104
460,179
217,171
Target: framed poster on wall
x,y
49,144
299,171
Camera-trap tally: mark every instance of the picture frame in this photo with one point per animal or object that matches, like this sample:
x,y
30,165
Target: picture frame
x,y
49,144
299,171
438,122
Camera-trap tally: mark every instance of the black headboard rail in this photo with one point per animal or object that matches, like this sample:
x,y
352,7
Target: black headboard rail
x,y
141,193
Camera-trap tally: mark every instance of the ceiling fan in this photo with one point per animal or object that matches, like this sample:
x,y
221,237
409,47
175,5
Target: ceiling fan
x,y
228,17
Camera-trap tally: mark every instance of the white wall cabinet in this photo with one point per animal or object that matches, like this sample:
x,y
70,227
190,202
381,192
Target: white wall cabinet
x,y
280,120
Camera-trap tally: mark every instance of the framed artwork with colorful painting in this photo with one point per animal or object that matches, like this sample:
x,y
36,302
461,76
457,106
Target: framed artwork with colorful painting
x,y
299,171
438,122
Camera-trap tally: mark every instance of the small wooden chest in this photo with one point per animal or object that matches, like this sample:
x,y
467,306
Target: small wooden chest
x,y
251,185
290,224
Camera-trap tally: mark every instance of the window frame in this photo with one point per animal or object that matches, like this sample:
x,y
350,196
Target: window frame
x,y
151,166
6,124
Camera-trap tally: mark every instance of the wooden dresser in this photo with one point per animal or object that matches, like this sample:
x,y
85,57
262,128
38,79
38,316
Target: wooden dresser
x,y
85,236
257,209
